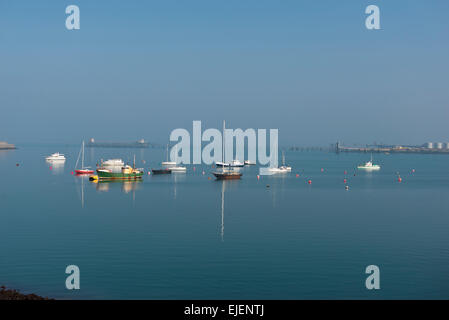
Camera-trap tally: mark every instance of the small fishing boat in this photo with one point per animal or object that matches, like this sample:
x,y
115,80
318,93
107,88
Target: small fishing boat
x,y
369,165
56,157
126,173
83,169
161,171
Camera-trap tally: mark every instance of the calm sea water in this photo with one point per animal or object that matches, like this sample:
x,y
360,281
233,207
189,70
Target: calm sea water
x,y
184,236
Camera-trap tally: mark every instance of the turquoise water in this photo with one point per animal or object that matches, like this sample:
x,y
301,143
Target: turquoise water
x,y
168,237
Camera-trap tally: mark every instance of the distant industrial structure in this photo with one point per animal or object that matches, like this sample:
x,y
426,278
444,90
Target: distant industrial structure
x,y
428,147
6,146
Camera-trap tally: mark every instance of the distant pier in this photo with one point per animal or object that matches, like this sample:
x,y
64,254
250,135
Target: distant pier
x,y
105,144
427,149
6,146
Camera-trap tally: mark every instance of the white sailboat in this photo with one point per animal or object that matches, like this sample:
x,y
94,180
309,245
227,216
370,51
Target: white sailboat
x,y
168,164
177,168
281,169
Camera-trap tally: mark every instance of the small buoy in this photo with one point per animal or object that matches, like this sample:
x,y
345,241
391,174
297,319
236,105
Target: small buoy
x,y
344,180
345,172
208,178
297,175
413,170
149,172
346,187
399,179
258,177
72,172
51,167
322,170
17,164
309,182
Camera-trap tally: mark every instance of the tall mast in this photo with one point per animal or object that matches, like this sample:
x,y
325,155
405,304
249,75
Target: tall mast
x,y
82,159
223,151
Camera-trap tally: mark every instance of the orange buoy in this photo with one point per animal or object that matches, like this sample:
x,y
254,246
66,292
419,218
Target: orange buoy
x,y
344,180
72,172
297,175
208,178
258,177
399,179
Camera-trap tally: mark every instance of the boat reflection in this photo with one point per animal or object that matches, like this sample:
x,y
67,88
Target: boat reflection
x,y
126,186
56,167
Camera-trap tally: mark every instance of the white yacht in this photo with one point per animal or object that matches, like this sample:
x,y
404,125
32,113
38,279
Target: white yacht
x,y
113,163
56,157
369,165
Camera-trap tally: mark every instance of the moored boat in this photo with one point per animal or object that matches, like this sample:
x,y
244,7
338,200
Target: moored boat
x,y
161,171
227,175
83,170
57,157
369,165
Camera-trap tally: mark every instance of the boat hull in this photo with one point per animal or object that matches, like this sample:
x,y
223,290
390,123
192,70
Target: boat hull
x,y
81,172
161,171
104,175
227,176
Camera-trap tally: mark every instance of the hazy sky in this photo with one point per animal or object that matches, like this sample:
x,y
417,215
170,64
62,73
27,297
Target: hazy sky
x,y
139,69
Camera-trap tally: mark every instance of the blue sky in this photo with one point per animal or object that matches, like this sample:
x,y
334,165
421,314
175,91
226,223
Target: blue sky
x,y
143,68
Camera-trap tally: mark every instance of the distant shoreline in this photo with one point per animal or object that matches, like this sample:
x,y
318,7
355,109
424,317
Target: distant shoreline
x,y
11,294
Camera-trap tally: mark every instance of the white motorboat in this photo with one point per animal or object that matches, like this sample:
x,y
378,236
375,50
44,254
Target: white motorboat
x,y
233,164
249,163
369,165
221,164
56,157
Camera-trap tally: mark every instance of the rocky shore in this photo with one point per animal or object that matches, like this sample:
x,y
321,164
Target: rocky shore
x,y
9,294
